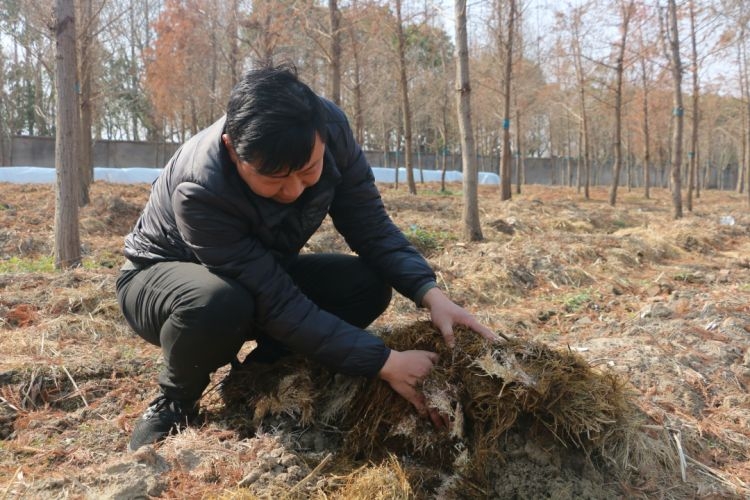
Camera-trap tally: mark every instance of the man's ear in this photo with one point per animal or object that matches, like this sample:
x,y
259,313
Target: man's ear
x,y
227,141
228,144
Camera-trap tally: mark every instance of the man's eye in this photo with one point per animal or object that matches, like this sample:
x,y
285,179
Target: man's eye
x,y
272,180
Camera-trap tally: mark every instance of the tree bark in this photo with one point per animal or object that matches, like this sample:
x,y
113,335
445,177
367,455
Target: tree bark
x,y
67,240
472,228
87,26
520,177
359,120
626,10
334,18
646,133
578,61
673,39
4,119
233,41
505,174
404,86
693,153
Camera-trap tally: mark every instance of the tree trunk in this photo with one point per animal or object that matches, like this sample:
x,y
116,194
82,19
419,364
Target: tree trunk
x,y
133,72
404,85
233,42
578,61
693,153
505,174
742,153
472,228
4,118
646,133
87,26
359,120
743,171
626,11
67,240
334,18
519,156
673,38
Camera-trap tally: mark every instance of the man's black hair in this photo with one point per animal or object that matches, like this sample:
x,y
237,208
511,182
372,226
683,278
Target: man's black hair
x,y
273,119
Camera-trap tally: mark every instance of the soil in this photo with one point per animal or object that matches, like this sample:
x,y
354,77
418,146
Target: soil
x,y
664,304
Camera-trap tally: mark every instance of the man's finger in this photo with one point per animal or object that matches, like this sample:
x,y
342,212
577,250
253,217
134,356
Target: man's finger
x,y
448,336
437,419
485,332
419,403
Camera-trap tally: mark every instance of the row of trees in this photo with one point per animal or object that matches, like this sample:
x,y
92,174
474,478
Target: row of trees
x,y
597,83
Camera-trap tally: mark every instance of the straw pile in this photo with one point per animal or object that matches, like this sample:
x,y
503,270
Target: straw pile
x,y
486,390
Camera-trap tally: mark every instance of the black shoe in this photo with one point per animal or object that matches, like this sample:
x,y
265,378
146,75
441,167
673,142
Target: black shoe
x,y
163,417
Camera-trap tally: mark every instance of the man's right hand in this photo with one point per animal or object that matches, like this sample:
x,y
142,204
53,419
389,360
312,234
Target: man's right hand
x,y
404,371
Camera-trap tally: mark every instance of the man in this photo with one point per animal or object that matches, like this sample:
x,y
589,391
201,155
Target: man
x,y
213,260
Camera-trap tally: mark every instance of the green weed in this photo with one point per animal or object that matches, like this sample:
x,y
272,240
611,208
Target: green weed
x,y
575,302
427,241
446,192
15,265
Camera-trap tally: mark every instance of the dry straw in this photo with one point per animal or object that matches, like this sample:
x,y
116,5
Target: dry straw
x,y
486,390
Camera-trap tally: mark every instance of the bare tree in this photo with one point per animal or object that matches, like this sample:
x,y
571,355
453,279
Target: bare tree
x,y
745,98
743,173
645,49
86,35
520,167
334,16
693,153
505,173
626,12
405,106
4,115
646,132
576,25
671,38
67,240
472,227
233,41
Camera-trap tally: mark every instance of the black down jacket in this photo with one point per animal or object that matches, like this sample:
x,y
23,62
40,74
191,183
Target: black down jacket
x,y
201,211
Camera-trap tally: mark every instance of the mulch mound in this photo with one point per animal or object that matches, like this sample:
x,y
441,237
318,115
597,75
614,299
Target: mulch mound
x,y
488,391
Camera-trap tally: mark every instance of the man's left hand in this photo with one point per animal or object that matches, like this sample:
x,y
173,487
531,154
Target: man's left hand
x,y
445,314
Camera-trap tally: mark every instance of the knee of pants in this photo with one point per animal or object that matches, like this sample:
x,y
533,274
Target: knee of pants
x,y
375,299
225,311
383,296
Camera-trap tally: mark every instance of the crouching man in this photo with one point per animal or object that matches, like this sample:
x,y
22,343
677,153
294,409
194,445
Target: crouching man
x,y
214,261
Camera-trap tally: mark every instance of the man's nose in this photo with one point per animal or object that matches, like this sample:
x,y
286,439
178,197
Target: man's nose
x,y
294,187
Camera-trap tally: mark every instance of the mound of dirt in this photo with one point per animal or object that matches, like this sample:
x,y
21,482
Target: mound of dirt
x,y
513,406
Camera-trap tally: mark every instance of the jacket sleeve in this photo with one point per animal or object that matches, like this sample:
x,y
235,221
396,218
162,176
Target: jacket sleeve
x,y
359,215
223,243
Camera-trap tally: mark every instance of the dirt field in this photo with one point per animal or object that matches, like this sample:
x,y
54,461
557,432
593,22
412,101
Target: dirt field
x,y
664,305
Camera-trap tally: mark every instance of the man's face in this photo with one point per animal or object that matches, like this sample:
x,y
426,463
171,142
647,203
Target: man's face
x,y
285,186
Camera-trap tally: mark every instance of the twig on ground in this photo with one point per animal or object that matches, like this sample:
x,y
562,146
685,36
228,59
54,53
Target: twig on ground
x,y
75,386
311,475
10,483
678,441
3,400
720,476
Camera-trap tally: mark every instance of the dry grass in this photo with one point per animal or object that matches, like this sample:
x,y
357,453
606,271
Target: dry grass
x,y
628,367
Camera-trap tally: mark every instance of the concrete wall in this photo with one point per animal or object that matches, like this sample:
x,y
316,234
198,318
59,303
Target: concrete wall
x,y
40,152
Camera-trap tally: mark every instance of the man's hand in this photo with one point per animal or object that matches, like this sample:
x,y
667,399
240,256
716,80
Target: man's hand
x,y
445,315
404,371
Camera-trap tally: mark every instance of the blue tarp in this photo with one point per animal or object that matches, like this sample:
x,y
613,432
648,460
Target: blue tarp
x,y
43,175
